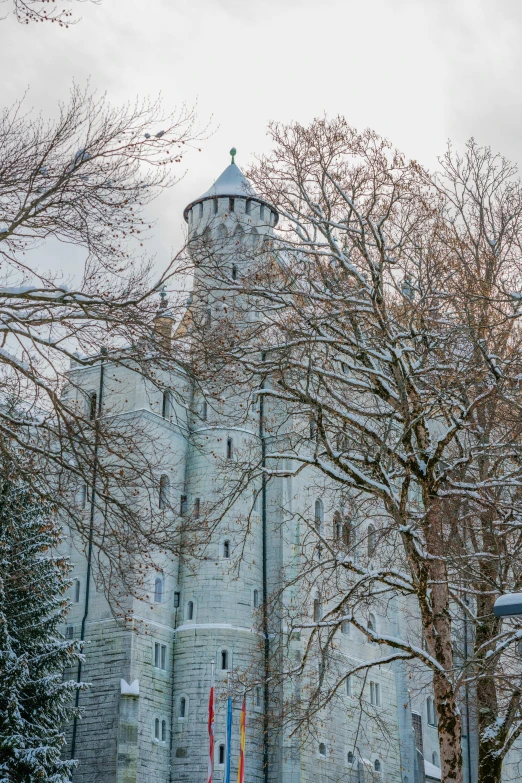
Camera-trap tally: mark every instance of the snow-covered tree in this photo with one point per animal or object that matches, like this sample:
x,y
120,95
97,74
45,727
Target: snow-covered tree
x,y
35,702
390,346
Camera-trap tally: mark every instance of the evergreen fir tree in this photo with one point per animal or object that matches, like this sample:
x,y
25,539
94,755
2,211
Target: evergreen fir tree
x,y
35,702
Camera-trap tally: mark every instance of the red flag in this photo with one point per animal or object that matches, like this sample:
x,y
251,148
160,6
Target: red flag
x,y
211,729
242,738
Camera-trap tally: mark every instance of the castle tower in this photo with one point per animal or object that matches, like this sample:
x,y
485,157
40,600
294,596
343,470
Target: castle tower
x,y
222,587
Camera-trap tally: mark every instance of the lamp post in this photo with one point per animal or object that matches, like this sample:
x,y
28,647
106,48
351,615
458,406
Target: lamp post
x,y
509,605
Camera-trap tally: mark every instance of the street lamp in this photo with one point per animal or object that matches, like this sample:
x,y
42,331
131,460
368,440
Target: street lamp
x,y
509,605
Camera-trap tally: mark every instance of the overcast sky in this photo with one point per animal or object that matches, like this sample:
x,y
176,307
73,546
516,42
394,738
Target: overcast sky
x,y
416,71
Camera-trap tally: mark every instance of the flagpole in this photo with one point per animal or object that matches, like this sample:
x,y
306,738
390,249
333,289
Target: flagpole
x,y
228,745
210,767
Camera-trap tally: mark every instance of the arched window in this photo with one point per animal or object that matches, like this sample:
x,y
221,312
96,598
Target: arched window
x,y
318,612
230,448
337,526
204,410
372,624
345,627
371,540
256,599
163,492
83,496
248,206
350,758
157,729
216,204
221,753
76,591
92,406
377,765
431,712
234,271
375,694
224,660
201,209
322,749
163,730
435,759
319,513
182,707
261,212
348,686
226,549
165,404
158,590
347,534
190,610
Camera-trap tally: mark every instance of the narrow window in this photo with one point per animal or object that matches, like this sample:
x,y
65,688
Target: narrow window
x,y
435,759
226,549
163,730
322,749
345,627
313,428
160,656
248,206
190,610
163,492
371,540
157,729
256,599
317,610
221,754
76,591
216,204
234,271
258,696
337,526
319,513
372,625
201,209
377,765
224,660
208,317
165,405
183,505
350,758
176,600
157,655
163,657
69,632
197,505
375,694
204,410
231,204
347,534
261,212
83,496
348,686
182,707
158,590
92,406
230,448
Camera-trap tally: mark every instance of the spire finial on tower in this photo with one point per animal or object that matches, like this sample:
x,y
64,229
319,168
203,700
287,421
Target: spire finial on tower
x,y
163,297
233,152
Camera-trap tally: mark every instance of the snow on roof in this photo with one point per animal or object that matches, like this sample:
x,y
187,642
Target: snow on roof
x,y
431,770
510,603
232,182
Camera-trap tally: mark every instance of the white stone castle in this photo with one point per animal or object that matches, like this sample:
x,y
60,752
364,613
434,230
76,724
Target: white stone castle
x,y
145,714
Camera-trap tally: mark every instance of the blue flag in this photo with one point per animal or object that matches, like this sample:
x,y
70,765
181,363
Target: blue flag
x,y
229,741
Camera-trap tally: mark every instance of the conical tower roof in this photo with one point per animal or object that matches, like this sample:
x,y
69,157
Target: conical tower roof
x,y
231,183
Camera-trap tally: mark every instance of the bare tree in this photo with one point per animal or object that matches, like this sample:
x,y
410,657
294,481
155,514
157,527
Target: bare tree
x,y
27,11
390,326
85,180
